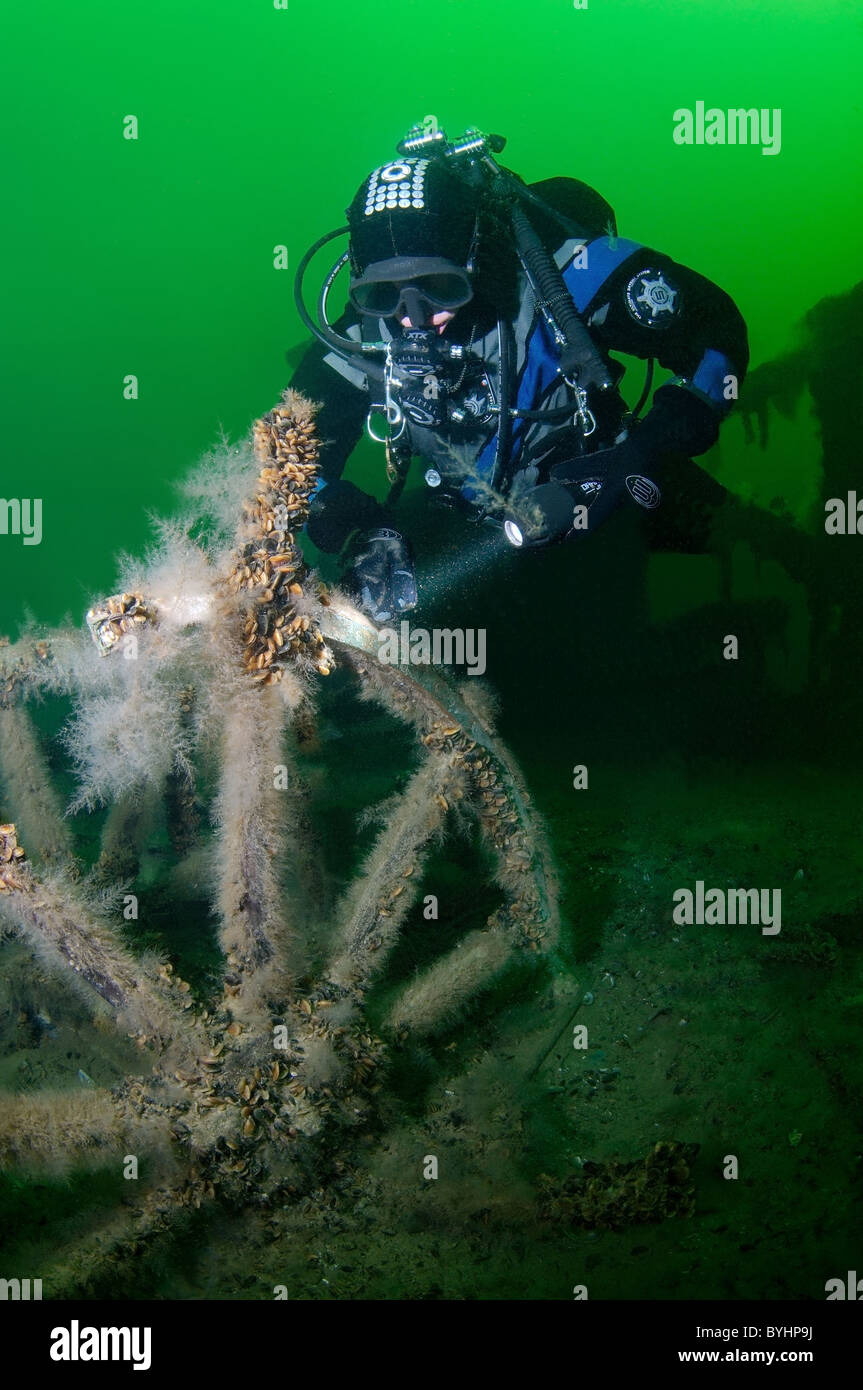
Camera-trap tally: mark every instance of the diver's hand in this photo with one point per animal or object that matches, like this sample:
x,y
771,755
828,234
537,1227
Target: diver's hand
x,y
381,575
601,481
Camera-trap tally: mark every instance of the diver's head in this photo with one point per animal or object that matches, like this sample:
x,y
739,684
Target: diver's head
x,y
413,234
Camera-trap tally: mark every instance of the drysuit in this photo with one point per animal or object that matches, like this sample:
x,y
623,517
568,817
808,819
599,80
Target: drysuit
x,y
634,300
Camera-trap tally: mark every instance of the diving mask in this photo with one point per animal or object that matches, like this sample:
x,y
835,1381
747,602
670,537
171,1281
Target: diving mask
x,y
411,286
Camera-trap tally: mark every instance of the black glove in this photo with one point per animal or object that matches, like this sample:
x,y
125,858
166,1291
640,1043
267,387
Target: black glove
x,y
679,423
601,481
381,574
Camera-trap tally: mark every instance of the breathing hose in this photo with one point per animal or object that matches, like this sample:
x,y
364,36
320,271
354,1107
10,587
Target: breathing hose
x,y
579,357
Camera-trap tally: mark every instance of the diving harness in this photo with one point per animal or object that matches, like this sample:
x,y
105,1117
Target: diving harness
x,y
412,373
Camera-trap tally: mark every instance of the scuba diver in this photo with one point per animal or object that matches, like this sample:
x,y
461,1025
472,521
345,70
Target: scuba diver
x,y
482,311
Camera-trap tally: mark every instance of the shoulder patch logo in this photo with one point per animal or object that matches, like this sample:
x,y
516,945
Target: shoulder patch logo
x,y
651,300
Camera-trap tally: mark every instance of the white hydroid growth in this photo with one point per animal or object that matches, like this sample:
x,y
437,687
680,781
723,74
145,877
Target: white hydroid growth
x,y
65,1129
28,790
441,992
239,1077
129,730
176,572
123,741
251,847
218,486
376,905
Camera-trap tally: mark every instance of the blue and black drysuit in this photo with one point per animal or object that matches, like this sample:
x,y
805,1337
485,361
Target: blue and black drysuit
x,y
633,300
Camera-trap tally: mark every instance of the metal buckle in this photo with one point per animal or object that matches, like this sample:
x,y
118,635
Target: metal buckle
x,y
394,417
390,407
582,413
393,412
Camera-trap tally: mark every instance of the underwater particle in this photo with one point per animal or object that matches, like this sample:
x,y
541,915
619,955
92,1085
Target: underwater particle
x,y
794,1138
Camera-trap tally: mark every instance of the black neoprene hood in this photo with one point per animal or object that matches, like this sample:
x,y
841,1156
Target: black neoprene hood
x,y
411,207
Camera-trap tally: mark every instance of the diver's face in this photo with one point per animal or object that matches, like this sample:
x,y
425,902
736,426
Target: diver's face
x,y
439,321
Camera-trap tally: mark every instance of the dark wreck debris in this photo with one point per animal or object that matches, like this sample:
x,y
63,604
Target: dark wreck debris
x,y
186,689
828,363
612,1196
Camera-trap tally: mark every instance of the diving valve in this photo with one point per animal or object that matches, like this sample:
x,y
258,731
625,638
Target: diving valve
x,y
419,385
